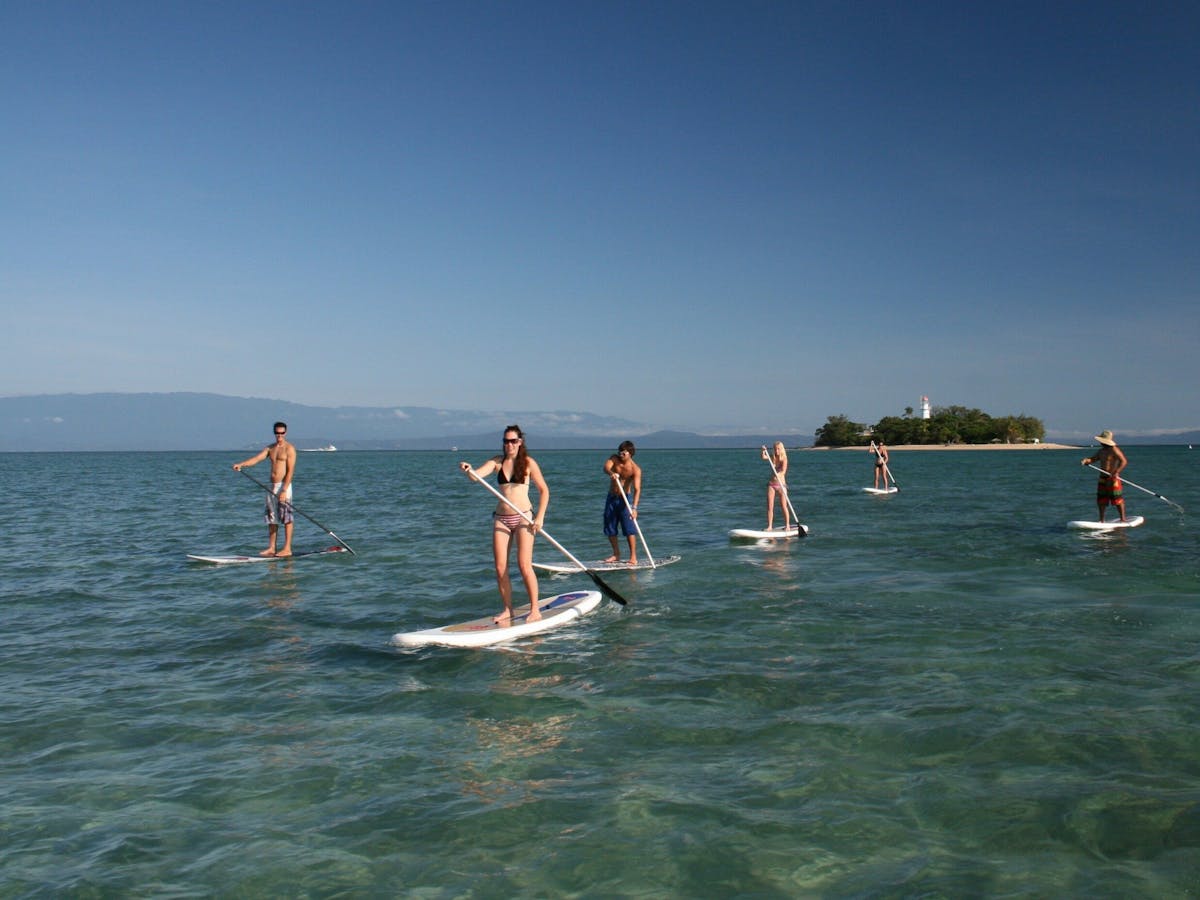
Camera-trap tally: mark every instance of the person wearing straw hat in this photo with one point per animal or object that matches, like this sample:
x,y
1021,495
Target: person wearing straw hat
x,y
1109,490
626,482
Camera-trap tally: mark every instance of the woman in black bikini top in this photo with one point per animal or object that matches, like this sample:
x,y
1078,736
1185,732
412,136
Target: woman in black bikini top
x,y
502,479
507,520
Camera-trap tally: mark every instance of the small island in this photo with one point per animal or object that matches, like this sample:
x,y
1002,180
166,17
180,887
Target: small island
x,y
943,428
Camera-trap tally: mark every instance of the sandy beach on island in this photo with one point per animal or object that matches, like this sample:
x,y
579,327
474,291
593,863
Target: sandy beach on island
x,y
894,447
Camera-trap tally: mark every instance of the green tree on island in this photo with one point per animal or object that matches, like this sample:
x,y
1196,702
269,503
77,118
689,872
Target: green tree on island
x,y
947,425
839,431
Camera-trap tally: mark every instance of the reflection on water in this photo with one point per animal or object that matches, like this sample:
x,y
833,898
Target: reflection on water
x,y
515,745
280,587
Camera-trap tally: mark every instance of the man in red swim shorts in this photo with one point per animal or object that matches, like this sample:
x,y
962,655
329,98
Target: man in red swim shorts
x,y
1109,491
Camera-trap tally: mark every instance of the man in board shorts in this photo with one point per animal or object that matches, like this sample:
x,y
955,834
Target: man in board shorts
x,y
1109,491
618,509
279,501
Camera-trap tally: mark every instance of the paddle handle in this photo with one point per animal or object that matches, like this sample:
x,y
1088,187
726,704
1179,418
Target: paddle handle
x,y
636,526
782,487
888,473
596,579
1125,480
306,515
524,515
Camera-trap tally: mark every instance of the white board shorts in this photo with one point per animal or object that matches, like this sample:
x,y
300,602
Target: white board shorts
x,y
276,512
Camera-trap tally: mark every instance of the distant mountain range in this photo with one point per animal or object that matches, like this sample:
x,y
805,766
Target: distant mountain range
x,y
193,421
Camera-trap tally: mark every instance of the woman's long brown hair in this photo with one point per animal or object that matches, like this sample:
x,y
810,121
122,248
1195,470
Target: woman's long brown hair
x,y
521,461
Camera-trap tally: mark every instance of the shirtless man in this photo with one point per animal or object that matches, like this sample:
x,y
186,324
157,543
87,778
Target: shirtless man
x,y
627,475
1109,491
279,501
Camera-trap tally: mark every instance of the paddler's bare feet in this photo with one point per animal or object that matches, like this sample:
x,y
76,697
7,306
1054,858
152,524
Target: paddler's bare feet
x,y
270,551
632,561
535,614
283,553
505,618
613,558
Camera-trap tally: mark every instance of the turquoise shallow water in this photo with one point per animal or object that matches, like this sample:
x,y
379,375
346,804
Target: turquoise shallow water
x,y
940,693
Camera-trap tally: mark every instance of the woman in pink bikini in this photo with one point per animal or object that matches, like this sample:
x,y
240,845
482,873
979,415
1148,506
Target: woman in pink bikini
x,y
516,471
777,486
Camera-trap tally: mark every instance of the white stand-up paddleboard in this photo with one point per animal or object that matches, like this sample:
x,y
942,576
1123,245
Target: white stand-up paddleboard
x,y
890,490
752,534
556,611
236,560
1131,522
600,565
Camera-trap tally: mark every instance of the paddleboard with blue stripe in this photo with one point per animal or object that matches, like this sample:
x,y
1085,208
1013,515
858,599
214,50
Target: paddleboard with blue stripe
x,y
556,612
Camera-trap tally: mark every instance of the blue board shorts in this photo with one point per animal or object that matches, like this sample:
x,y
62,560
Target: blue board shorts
x,y
616,511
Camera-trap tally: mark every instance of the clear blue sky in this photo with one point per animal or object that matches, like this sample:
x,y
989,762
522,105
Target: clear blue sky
x,y
745,216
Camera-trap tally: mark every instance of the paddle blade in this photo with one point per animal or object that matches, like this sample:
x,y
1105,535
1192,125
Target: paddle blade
x,y
605,589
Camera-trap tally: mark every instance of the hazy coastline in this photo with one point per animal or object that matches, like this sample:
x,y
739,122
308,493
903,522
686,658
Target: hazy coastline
x,y
961,447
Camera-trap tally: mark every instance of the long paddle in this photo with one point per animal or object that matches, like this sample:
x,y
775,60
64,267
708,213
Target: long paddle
x,y
306,515
636,526
604,588
1125,480
783,490
887,473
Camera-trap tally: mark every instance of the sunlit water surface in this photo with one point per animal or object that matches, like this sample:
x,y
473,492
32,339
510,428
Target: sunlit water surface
x,y
939,693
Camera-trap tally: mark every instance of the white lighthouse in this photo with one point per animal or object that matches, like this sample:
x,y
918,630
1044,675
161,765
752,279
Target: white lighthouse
x,y
925,411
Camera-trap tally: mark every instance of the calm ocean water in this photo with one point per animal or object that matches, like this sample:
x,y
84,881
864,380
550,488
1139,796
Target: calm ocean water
x,y
942,693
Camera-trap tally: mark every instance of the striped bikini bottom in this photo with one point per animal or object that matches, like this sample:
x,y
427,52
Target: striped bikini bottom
x,y
509,522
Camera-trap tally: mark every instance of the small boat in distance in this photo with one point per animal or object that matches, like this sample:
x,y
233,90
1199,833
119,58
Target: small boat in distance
x,y
329,449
